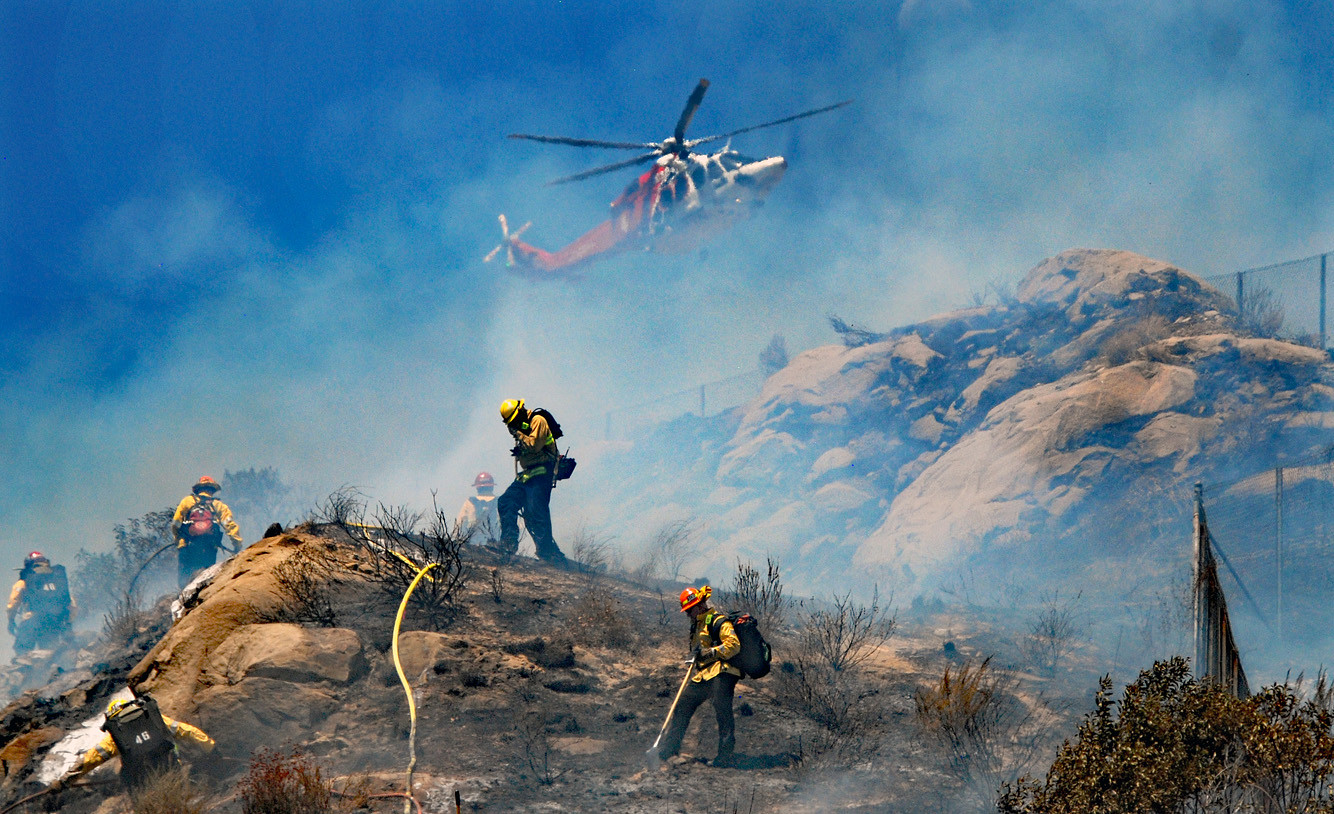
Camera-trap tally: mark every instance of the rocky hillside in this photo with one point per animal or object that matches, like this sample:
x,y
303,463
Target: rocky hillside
x,y
1013,434
541,691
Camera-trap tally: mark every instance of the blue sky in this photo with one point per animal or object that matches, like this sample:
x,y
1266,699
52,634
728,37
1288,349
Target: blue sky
x,y
242,234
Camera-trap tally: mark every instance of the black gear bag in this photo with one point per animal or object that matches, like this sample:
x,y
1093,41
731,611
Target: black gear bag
x,y
143,740
756,656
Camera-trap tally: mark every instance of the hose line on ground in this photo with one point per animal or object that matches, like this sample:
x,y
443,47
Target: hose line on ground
x,y
407,688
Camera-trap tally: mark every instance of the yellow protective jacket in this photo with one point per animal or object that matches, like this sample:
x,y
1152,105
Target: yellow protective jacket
x,y
727,646
479,515
537,447
106,748
17,607
224,516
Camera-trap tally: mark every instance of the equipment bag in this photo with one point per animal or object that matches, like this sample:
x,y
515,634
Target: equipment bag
x,y
755,657
202,519
142,739
46,592
565,467
552,423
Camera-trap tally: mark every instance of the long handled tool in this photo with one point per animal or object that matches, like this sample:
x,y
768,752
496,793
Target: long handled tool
x,y
653,750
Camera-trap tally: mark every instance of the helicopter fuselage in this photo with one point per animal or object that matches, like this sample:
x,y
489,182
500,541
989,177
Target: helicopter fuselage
x,y
670,208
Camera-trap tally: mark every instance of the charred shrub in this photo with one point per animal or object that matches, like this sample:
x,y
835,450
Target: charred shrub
x,y
403,542
669,549
1052,632
305,581
285,783
759,595
601,620
534,720
824,679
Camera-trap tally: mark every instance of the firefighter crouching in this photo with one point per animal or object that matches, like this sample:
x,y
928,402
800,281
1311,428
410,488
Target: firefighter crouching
x,y
713,641
199,523
145,740
40,606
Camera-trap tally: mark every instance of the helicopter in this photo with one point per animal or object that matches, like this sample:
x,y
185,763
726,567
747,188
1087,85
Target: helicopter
x,y
684,198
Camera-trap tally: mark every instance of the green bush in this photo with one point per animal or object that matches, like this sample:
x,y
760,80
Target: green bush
x,y
1177,744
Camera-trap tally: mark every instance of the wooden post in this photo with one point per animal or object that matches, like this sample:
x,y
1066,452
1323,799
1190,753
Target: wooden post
x,y
1241,283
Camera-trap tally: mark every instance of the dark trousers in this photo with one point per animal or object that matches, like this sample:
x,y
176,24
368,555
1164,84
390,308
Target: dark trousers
x,y
199,553
533,499
719,690
39,631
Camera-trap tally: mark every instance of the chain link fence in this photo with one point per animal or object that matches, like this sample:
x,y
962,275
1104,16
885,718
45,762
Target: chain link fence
x,y
702,400
1275,535
1284,300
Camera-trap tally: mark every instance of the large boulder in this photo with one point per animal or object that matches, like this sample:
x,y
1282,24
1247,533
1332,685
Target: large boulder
x,y
288,652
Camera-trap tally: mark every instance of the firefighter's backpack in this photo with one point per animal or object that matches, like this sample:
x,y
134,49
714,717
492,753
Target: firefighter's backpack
x,y
142,738
552,423
756,656
46,592
202,519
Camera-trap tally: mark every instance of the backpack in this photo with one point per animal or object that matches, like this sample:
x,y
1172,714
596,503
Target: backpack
x,y
755,657
202,519
46,592
142,738
552,423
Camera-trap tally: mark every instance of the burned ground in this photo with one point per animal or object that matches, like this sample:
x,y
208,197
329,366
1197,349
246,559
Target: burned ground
x,y
544,693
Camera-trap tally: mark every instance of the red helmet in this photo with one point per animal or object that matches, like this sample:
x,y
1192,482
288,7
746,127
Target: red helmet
x,y
691,597
33,558
484,479
206,484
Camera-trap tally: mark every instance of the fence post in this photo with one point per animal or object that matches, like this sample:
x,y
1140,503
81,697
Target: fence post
x,y
1322,300
1198,606
1240,290
1278,543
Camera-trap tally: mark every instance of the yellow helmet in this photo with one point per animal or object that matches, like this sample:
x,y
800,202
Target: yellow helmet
x,y
116,706
509,408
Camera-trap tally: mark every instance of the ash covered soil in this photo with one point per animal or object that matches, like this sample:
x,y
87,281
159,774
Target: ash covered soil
x,y
542,693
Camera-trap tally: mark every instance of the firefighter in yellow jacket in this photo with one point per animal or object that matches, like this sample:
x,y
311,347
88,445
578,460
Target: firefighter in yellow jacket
x,y
530,493
714,641
143,737
40,606
199,523
478,518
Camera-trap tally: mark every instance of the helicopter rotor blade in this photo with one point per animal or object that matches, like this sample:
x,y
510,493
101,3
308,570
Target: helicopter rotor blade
x,y
588,142
579,176
692,104
783,120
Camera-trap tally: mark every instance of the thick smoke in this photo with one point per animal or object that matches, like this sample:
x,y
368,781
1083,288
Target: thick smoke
x,y
259,239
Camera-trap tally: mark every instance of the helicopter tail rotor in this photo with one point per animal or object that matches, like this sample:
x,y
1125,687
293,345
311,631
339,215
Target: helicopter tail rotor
x,y
507,241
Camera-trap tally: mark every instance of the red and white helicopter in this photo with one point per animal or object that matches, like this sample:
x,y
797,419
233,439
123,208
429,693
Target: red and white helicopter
x,y
682,199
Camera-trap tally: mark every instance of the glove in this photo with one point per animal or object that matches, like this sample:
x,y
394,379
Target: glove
x,y
515,450
703,656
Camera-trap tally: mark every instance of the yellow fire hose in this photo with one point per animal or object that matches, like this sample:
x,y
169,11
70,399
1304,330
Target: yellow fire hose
x,y
407,688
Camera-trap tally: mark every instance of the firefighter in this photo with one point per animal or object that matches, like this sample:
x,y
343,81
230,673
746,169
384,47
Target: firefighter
x,y
40,606
713,641
198,524
536,460
478,516
144,738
